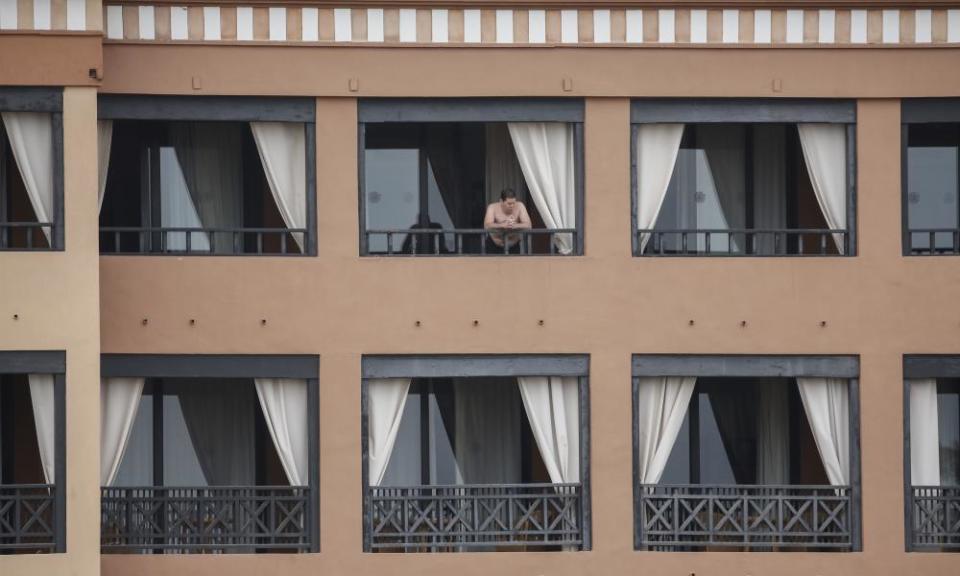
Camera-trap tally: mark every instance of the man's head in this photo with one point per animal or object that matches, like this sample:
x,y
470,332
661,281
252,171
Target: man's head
x,y
508,200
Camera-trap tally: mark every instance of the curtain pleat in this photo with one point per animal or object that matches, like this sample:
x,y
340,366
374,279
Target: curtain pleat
x,y
552,405
487,423
825,152
119,402
662,404
827,405
104,144
924,433
285,410
219,417
31,139
773,433
386,398
44,417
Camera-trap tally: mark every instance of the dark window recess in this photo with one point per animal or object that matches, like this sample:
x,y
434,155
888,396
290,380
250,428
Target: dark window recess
x,y
742,189
931,188
426,187
191,188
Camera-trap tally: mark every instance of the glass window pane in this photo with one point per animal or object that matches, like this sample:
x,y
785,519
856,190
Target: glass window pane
x,y
932,192
392,187
136,467
948,411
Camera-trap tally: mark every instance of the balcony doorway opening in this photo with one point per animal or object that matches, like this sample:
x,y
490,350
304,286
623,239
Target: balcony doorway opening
x,y
428,186
20,229
202,472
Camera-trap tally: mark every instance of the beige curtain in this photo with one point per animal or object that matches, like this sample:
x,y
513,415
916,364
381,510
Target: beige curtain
x,y
662,404
104,143
119,401
386,398
825,152
31,139
657,147
553,409
285,410
44,417
827,405
924,433
283,152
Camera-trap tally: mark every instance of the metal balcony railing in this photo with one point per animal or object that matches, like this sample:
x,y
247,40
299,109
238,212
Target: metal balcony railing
x,y
471,517
27,517
178,240
742,242
697,517
933,241
208,519
22,235
466,242
935,517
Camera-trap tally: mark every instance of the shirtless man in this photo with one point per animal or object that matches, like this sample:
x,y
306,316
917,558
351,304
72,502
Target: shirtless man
x,y
508,213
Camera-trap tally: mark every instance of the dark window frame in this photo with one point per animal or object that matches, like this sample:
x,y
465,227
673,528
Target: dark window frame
x,y
305,367
915,111
226,109
49,362
39,99
479,365
747,111
935,366
452,110
748,366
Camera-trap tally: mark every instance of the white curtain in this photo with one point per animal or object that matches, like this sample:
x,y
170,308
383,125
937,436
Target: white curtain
x,y
220,420
501,168
657,147
285,409
773,433
546,153
44,418
209,156
769,183
827,405
924,433
283,152
825,152
31,139
552,405
104,142
487,421
386,398
119,401
662,404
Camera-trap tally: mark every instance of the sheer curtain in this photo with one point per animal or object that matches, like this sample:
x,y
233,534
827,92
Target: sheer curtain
x,y
283,152
104,143
487,421
924,433
657,147
209,155
552,405
825,152
386,398
769,183
285,409
725,146
31,139
220,419
827,405
501,168
546,153
662,403
44,417
119,401
773,433
734,411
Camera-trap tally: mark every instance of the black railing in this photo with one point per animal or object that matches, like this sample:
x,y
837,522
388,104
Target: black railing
x,y
27,516
697,517
935,517
209,519
25,235
742,242
468,242
933,241
471,517
180,240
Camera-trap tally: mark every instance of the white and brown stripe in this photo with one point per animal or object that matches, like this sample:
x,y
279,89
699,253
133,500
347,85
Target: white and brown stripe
x,y
50,15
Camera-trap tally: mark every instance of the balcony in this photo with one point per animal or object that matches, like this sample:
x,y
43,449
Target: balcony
x,y
209,454
473,453
207,176
463,177
762,458
465,517
27,518
935,518
743,178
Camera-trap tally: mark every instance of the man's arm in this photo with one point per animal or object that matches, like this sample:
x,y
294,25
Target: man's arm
x,y
488,221
523,219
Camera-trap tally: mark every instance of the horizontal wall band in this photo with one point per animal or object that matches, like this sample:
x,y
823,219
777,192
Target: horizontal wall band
x,y
926,110
746,366
933,366
209,366
221,108
471,110
464,366
743,110
33,362
433,23
31,99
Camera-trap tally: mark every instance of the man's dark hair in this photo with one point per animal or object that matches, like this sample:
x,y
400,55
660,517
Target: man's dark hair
x,y
508,193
